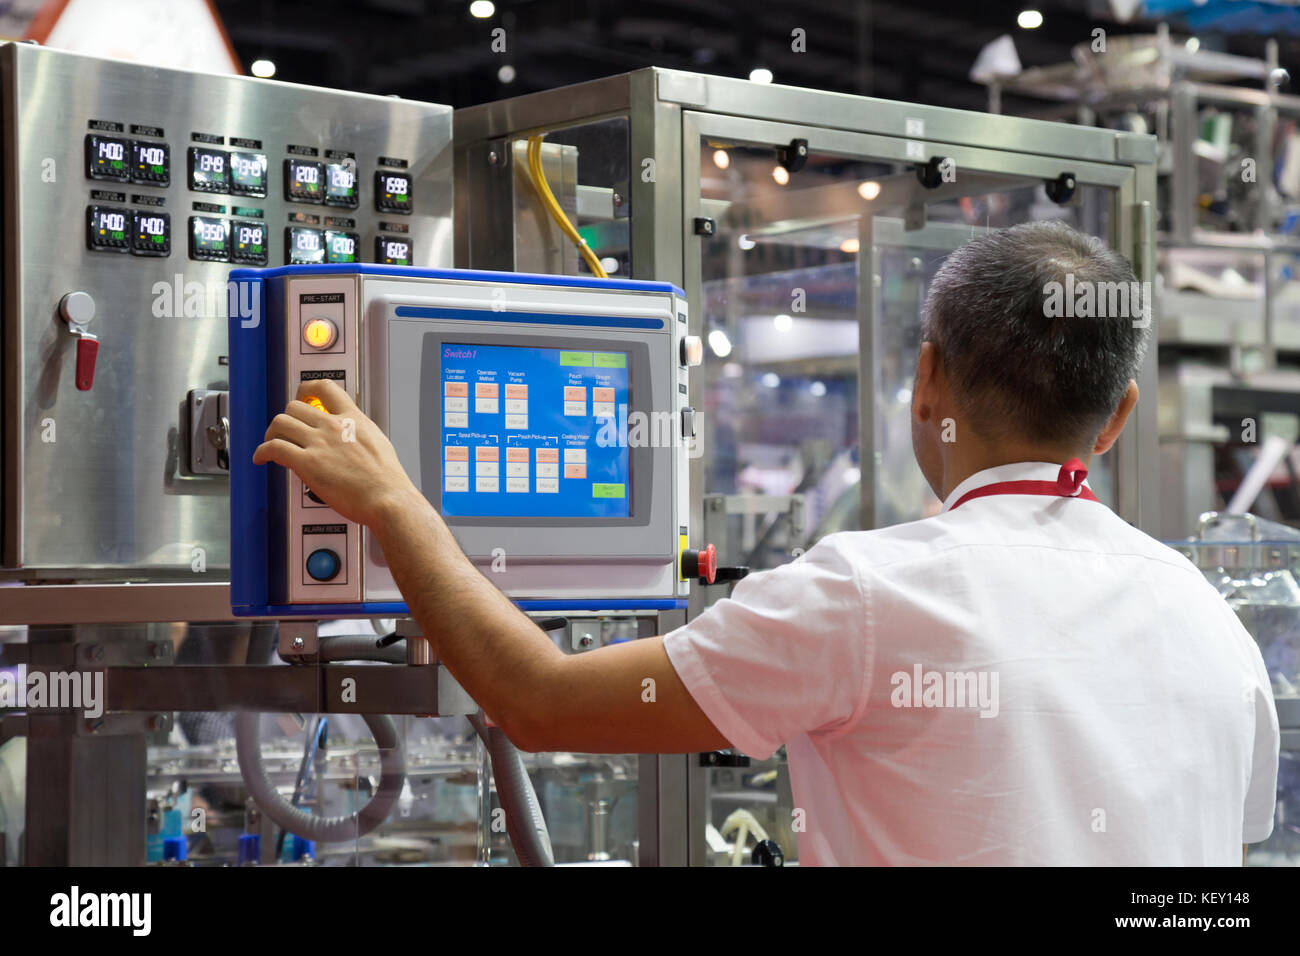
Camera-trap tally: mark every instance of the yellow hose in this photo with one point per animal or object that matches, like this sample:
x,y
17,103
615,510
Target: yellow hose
x,y
538,178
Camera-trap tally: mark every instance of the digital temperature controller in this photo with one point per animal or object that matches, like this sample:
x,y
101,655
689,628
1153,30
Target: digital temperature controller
x,y
151,163
341,184
304,246
153,233
393,192
248,174
303,180
391,251
209,170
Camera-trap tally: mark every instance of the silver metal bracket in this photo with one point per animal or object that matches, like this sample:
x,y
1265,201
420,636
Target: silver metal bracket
x,y
298,640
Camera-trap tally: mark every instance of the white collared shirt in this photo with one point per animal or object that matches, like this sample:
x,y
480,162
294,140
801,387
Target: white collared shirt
x,y
1021,680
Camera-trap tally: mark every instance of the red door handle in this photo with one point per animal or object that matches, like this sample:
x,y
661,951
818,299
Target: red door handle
x,y
87,352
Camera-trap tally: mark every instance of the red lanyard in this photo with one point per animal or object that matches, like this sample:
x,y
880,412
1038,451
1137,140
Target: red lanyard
x,y
1068,484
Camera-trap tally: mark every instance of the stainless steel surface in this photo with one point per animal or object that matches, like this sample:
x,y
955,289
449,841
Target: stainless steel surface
x,y
862,114
539,244
123,603
93,481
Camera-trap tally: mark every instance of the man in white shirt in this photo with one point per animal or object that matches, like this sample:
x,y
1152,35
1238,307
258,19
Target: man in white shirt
x,y
1021,679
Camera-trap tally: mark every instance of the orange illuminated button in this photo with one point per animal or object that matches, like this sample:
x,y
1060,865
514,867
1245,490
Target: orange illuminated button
x,y
319,333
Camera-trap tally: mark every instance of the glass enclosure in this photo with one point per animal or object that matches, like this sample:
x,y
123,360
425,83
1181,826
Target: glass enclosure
x,y
801,230
784,305
1254,564
381,789
811,281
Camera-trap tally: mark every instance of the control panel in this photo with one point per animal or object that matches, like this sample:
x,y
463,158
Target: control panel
x,y
130,194
545,418
236,232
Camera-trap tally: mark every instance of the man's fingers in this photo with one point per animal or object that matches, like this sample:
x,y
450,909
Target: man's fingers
x,y
281,452
306,413
291,429
330,394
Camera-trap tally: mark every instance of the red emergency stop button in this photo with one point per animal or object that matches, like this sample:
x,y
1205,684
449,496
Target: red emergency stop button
x,y
700,564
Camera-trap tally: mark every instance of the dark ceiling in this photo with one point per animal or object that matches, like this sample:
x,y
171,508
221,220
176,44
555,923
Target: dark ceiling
x,y
433,50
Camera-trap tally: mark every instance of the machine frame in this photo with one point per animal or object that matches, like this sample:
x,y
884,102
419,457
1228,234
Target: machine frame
x,y
669,114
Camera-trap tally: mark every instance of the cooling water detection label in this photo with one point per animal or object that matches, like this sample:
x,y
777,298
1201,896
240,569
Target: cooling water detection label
x,y
532,432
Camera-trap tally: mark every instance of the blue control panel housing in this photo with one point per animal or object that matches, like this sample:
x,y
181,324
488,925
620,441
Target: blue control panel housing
x,y
257,341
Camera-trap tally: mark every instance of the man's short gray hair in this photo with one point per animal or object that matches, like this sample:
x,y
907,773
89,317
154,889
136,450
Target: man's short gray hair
x,y
1022,360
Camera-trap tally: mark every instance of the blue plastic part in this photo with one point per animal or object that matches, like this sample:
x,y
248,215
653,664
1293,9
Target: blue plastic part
x,y
250,849
514,278
175,849
527,318
172,824
399,609
303,847
251,487
295,848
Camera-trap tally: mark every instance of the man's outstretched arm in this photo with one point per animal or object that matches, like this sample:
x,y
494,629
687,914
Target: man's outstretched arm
x,y
626,698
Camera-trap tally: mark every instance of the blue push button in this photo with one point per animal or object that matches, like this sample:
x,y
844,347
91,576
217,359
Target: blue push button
x,y
323,564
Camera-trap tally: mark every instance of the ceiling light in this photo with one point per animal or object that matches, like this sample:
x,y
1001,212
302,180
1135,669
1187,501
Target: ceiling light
x,y
720,344
771,379
760,74
263,68
482,9
869,190
783,323
781,175
851,246
721,158
1029,20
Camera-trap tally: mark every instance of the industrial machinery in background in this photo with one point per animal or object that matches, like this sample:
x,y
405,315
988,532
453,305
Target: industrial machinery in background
x,y
1253,563
1229,248
784,236
804,227
130,193
1228,290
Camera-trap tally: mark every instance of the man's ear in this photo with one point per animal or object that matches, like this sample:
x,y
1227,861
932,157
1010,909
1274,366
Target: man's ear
x,y
925,388
1115,425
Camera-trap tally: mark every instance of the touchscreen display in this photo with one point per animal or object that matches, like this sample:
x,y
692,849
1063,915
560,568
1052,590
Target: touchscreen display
x,y
533,432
